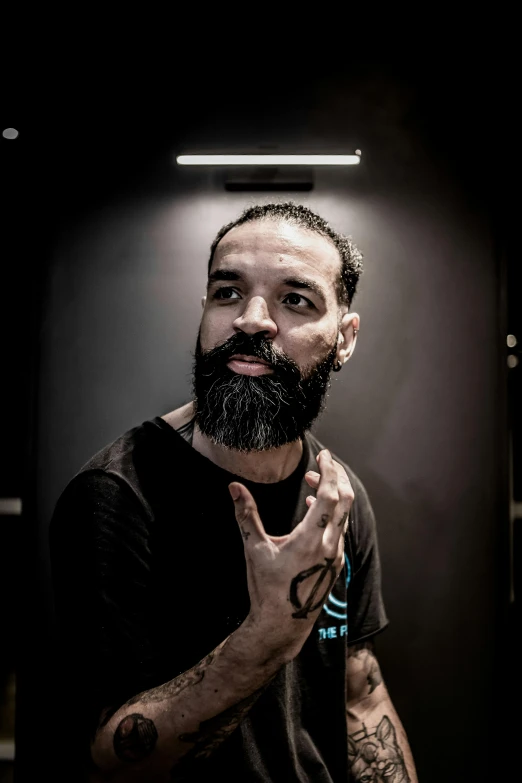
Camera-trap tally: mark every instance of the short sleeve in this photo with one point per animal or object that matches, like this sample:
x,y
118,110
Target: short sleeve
x,y
100,566
366,612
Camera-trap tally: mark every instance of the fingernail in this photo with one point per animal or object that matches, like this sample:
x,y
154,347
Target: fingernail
x,y
234,491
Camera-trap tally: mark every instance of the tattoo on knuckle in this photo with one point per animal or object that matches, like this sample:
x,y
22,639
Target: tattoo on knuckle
x,y
323,521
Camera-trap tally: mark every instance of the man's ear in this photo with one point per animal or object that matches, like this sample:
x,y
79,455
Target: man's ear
x,y
203,300
350,324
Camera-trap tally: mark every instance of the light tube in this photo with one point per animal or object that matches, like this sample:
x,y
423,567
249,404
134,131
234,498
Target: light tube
x,y
268,160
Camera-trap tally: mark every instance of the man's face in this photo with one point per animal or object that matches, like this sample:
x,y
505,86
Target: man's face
x,y
260,259
268,335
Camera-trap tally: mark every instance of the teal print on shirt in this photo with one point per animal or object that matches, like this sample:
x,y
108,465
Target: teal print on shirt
x,y
338,609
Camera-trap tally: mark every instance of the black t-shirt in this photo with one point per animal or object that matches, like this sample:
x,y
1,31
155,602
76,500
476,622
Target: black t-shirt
x,y
149,577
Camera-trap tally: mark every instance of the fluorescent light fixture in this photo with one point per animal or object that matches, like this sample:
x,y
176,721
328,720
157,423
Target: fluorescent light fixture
x,y
268,160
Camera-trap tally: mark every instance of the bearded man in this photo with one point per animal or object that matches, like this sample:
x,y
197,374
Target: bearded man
x,y
216,569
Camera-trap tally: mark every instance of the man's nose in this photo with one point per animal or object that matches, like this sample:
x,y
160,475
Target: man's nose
x,y
256,318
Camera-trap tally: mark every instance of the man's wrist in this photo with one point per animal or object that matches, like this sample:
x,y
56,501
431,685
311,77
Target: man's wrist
x,y
269,648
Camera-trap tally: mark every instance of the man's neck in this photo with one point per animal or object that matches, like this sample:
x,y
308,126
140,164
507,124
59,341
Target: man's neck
x,y
265,467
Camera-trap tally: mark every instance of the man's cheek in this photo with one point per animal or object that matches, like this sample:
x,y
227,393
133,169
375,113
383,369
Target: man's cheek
x,y
310,354
210,335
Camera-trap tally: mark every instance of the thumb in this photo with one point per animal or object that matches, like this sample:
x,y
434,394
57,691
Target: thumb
x,y
247,515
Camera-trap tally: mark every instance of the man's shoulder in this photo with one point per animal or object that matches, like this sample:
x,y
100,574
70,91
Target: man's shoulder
x,y
130,458
139,457
180,417
119,450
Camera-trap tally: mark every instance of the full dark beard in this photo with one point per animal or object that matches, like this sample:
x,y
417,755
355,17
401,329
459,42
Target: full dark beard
x,y
256,413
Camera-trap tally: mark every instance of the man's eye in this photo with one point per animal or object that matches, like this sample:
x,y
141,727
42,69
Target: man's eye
x,y
225,293
296,300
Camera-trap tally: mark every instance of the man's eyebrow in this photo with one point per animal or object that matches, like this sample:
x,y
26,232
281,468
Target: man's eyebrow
x,y
291,282
222,274
310,285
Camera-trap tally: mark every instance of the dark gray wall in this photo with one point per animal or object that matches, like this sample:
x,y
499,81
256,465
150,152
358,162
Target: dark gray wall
x,y
417,412
413,412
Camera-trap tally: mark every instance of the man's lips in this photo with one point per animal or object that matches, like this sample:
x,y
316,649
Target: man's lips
x,y
244,364
251,359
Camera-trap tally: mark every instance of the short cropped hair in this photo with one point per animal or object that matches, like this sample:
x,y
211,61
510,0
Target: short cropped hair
x,y
297,214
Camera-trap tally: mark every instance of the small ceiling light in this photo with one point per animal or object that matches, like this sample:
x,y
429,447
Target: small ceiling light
x,y
269,160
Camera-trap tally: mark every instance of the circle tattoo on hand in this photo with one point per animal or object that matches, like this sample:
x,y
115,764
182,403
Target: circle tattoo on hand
x,y
323,571
135,738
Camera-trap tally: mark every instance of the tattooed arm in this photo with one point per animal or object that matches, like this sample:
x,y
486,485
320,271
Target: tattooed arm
x,y
161,733
377,742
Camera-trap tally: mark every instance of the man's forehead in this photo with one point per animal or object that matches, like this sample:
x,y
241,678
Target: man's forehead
x,y
278,237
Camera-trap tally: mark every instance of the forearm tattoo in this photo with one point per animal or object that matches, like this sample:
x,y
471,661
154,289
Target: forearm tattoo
x,y
326,571
374,754
174,687
135,738
364,652
210,735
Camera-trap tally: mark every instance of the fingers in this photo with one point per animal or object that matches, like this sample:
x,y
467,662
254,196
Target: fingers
x,y
339,525
247,515
321,512
329,511
312,478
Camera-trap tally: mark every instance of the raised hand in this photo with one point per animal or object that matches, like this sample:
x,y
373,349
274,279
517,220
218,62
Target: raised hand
x,y
290,577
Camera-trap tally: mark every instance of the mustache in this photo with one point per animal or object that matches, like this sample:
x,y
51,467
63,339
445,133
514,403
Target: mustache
x,y
250,345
